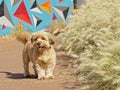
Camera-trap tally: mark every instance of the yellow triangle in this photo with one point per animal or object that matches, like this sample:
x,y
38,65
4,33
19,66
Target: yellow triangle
x,y
72,8
20,25
31,1
46,6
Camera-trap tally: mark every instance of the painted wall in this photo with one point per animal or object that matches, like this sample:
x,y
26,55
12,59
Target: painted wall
x,y
33,15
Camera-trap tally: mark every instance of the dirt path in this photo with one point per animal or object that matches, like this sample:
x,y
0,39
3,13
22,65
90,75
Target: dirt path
x,y
11,71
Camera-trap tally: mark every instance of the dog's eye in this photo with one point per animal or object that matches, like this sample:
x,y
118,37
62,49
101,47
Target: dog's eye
x,y
43,39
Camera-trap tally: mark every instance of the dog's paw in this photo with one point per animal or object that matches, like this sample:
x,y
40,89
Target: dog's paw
x,y
41,77
50,77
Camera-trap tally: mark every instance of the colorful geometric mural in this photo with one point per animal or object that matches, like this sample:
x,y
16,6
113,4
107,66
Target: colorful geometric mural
x,y
33,15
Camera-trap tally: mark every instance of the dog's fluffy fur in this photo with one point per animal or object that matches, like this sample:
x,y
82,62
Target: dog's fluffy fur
x,y
39,50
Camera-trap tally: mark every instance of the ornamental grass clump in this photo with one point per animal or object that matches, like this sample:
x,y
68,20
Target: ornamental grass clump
x,y
13,34
56,27
93,34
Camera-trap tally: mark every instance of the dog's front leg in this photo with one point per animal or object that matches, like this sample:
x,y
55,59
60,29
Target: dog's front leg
x,y
49,73
40,72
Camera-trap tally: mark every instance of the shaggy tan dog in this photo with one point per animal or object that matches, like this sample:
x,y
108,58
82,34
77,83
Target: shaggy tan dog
x,y
39,50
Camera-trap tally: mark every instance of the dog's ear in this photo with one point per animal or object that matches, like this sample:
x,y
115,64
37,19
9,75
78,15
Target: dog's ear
x,y
33,38
51,41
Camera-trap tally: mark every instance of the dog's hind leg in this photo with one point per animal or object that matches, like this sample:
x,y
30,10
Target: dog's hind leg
x,y
35,71
26,66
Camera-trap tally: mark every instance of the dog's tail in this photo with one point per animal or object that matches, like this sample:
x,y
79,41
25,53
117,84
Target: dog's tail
x,y
23,37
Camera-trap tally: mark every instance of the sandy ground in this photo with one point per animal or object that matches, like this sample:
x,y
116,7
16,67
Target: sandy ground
x,y
11,71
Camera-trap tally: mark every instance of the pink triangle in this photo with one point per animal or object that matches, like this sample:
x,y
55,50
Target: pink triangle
x,y
22,13
54,17
3,27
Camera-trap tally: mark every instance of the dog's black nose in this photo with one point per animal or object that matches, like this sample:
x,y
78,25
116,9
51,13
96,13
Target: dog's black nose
x,y
38,43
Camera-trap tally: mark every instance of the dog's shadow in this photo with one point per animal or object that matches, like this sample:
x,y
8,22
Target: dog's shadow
x,y
15,75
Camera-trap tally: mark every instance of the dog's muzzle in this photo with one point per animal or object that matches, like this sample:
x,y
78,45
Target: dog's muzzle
x,y
41,47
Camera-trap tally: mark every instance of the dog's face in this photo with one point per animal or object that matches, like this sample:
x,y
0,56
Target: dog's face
x,y
41,42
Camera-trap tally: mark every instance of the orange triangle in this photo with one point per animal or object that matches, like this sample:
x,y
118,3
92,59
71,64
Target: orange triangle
x,y
46,6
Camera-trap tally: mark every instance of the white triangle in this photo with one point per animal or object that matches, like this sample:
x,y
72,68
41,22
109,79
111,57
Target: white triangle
x,y
37,10
5,21
12,1
35,20
59,12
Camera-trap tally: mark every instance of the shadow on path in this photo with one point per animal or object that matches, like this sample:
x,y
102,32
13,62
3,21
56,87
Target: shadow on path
x,y
16,75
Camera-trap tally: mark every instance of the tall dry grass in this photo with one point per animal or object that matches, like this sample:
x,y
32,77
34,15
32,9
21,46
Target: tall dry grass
x,y
13,34
93,35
